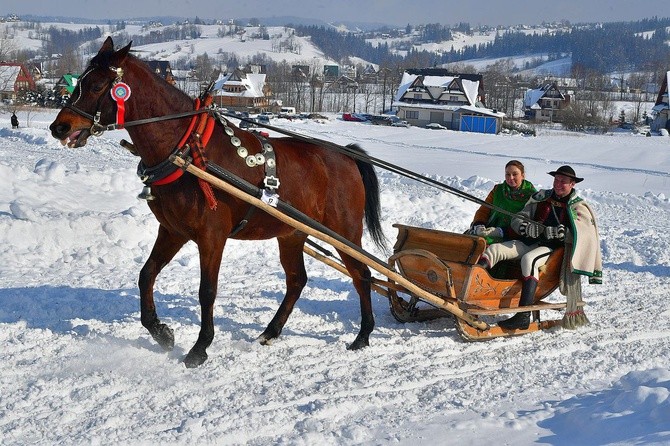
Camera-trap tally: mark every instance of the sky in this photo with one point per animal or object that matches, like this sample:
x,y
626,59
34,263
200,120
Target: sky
x,y
394,12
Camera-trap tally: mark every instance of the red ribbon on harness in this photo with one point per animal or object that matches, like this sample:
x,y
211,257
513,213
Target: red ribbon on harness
x,y
120,93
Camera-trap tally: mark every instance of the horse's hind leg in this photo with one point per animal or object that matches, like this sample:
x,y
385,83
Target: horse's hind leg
x,y
292,260
165,248
361,276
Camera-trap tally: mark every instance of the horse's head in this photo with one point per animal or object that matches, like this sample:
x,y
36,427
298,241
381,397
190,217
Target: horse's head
x,y
91,103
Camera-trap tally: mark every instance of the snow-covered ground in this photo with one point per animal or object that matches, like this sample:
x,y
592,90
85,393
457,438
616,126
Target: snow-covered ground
x,y
78,368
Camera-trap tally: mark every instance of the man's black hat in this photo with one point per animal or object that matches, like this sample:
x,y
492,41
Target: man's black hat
x,y
566,171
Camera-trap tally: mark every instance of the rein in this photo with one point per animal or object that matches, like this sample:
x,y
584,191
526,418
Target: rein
x,y
391,168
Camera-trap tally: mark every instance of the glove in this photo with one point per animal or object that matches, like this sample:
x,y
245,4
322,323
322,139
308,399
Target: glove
x,y
554,232
474,229
489,232
530,230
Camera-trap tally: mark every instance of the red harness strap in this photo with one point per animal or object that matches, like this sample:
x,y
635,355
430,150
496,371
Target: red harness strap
x,y
198,139
174,176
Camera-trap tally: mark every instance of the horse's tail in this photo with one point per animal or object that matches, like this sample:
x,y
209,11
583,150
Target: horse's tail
x,y
372,200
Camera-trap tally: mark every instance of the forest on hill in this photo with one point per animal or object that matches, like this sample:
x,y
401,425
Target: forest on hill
x,y
598,47
603,48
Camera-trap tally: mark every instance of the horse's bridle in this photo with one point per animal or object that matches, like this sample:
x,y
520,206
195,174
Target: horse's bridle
x,y
97,129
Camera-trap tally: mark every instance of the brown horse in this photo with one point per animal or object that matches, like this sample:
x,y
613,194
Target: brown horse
x,y
329,187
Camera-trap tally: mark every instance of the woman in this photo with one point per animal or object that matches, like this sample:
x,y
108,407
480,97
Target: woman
x,y
511,196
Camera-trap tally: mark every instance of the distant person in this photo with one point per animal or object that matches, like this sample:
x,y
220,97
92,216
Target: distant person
x,y
565,219
15,121
510,195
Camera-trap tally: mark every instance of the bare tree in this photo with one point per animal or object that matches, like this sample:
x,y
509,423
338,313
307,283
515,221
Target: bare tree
x,y
69,62
8,46
638,84
500,88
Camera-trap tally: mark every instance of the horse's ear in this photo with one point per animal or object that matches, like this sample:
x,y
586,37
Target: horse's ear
x,y
107,46
123,52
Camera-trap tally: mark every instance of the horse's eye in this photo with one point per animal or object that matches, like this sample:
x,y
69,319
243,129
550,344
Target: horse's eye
x,y
97,87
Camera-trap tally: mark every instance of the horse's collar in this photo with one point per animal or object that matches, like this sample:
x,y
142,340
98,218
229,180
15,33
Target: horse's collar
x,y
193,142
164,172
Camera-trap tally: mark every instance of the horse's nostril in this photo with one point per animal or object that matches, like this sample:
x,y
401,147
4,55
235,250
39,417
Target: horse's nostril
x,y
59,130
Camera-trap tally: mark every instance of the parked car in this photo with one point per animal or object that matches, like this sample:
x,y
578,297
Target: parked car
x,y
397,122
380,120
355,117
249,124
435,126
263,119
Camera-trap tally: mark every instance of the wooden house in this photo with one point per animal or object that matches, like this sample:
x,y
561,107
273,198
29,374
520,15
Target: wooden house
x,y
162,68
14,78
661,109
242,91
543,104
451,100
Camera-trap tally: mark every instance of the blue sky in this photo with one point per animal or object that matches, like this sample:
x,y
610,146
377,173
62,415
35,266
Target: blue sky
x,y
395,12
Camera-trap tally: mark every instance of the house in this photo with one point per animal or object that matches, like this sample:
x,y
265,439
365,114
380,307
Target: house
x,y
242,91
543,103
14,78
66,84
454,101
661,110
162,69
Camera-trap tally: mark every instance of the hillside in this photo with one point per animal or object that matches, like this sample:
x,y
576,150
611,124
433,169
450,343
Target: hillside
x,y
644,44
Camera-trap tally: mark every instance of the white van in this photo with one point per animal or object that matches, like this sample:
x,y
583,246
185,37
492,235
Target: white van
x,y
287,111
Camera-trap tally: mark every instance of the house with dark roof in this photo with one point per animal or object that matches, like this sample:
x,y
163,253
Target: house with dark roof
x,y
452,100
543,104
14,78
661,110
162,69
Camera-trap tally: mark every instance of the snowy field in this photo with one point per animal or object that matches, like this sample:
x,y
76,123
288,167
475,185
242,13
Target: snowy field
x,y
78,368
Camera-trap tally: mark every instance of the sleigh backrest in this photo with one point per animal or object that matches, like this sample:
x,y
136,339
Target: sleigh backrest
x,y
448,246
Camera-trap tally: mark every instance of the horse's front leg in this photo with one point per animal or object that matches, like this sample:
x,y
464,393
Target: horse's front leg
x,y
211,250
166,246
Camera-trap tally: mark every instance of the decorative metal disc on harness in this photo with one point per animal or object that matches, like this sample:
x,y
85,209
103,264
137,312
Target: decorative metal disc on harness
x,y
264,158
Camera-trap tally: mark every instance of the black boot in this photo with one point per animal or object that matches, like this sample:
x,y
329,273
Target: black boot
x,y
521,321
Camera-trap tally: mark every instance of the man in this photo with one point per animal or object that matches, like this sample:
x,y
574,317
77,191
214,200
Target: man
x,y
562,218
15,121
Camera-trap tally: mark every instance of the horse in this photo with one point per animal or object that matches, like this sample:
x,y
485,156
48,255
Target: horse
x,y
335,189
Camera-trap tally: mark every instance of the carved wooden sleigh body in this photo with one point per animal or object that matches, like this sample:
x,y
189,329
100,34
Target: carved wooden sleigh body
x,y
445,264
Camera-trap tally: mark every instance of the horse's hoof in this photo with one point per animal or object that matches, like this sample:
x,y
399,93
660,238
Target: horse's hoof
x,y
264,340
195,359
359,343
164,335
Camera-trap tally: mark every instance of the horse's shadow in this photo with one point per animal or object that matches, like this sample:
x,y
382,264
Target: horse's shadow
x,y
61,308
66,310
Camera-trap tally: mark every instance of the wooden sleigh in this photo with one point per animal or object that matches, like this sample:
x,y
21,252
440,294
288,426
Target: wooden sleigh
x,y
445,263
